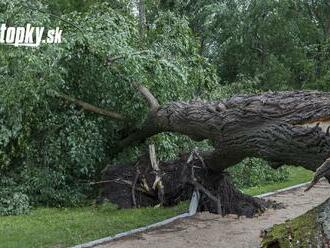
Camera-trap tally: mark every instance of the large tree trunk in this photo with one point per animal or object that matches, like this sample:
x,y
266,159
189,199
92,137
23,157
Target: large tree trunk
x,y
286,127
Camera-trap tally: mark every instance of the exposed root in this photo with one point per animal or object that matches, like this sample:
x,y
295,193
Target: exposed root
x,y
127,188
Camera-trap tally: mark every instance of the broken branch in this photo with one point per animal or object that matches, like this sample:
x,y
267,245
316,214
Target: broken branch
x,y
130,183
112,59
204,190
158,180
137,174
152,101
88,107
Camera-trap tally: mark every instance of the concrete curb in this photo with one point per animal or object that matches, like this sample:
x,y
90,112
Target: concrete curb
x,y
192,211
283,190
131,232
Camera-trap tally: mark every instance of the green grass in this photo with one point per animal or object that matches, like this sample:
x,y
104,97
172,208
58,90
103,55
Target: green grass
x,y
51,227
297,175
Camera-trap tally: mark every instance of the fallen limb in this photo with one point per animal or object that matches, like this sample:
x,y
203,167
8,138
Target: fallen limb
x,y
152,101
87,106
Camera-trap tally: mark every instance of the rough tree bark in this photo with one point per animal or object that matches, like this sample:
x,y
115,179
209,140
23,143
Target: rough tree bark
x,y
282,128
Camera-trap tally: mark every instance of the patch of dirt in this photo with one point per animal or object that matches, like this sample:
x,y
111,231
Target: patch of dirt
x,y
214,231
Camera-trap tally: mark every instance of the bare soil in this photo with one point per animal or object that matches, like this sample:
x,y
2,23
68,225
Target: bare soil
x,y
210,230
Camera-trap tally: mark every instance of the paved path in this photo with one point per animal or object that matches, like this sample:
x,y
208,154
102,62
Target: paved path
x,y
209,230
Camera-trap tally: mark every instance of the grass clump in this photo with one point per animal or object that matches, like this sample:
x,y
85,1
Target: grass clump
x,y
299,232
296,175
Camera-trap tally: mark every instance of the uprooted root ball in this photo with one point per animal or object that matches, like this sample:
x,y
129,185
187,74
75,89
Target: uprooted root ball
x,y
135,185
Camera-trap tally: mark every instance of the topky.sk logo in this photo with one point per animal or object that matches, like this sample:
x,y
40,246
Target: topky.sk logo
x,y
29,36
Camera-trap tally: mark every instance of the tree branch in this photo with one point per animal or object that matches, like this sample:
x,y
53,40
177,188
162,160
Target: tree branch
x,y
152,101
88,107
136,178
149,128
200,187
111,59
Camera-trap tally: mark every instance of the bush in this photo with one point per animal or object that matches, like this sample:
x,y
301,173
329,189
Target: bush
x,y
253,171
12,201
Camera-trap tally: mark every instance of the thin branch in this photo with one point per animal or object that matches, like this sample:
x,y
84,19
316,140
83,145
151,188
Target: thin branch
x,y
125,182
204,190
152,101
101,182
201,188
88,107
112,59
197,185
136,177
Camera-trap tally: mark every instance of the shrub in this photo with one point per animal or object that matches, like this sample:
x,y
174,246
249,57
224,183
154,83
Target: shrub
x,y
12,201
252,171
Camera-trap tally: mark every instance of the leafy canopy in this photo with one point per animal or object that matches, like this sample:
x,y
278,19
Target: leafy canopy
x,y
49,148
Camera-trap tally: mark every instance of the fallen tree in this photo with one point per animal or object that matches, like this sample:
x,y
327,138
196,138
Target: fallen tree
x,y
282,128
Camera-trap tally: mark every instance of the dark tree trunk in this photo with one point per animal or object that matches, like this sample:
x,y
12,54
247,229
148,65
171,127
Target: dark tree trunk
x,y
283,128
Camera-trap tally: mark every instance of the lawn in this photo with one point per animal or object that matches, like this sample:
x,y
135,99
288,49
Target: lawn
x,y
297,175
50,227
